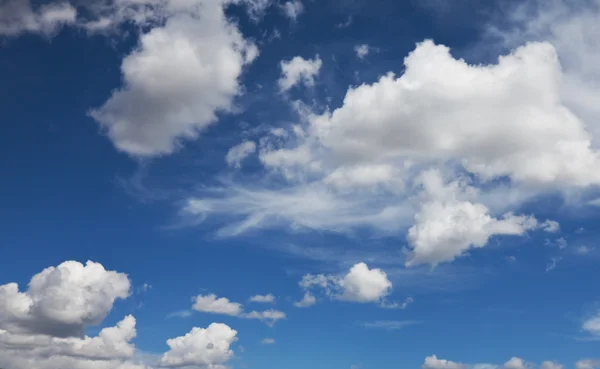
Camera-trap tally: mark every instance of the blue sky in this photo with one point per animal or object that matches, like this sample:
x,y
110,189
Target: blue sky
x,y
397,184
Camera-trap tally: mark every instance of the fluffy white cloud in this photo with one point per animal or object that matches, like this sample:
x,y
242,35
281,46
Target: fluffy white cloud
x,y
588,364
62,300
266,299
360,284
592,324
177,79
42,327
446,226
432,362
515,363
362,50
292,9
238,153
201,347
18,16
498,120
298,70
214,305
307,300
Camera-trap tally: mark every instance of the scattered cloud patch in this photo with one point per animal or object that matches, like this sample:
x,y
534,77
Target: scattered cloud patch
x,y
214,305
264,299
268,341
298,71
362,50
293,9
238,153
390,325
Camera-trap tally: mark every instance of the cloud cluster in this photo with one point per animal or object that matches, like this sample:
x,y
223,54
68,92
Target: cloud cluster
x,y
298,71
220,305
360,284
42,327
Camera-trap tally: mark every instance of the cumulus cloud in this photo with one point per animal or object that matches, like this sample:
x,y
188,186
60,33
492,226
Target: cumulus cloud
x,y
298,70
238,153
515,363
307,300
18,16
176,81
360,284
201,347
592,324
432,362
446,226
215,305
42,327
292,9
265,299
61,301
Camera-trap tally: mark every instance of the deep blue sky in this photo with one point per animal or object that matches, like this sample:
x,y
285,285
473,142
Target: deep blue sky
x,y
68,194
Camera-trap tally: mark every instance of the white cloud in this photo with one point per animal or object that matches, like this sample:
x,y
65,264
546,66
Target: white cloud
x,y
515,363
176,80
298,70
550,226
592,324
447,226
551,365
201,347
214,305
292,9
268,341
238,153
61,301
588,364
583,250
360,284
265,299
42,327
362,50
307,300
18,16
432,362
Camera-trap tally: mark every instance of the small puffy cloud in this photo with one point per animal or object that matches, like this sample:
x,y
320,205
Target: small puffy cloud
x,y
550,226
292,9
265,299
298,70
201,347
61,301
583,250
515,363
307,300
214,305
176,81
432,362
238,153
268,341
18,16
588,364
592,324
360,284
362,51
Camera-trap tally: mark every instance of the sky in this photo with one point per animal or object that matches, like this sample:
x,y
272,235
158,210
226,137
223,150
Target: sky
x,y
292,184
